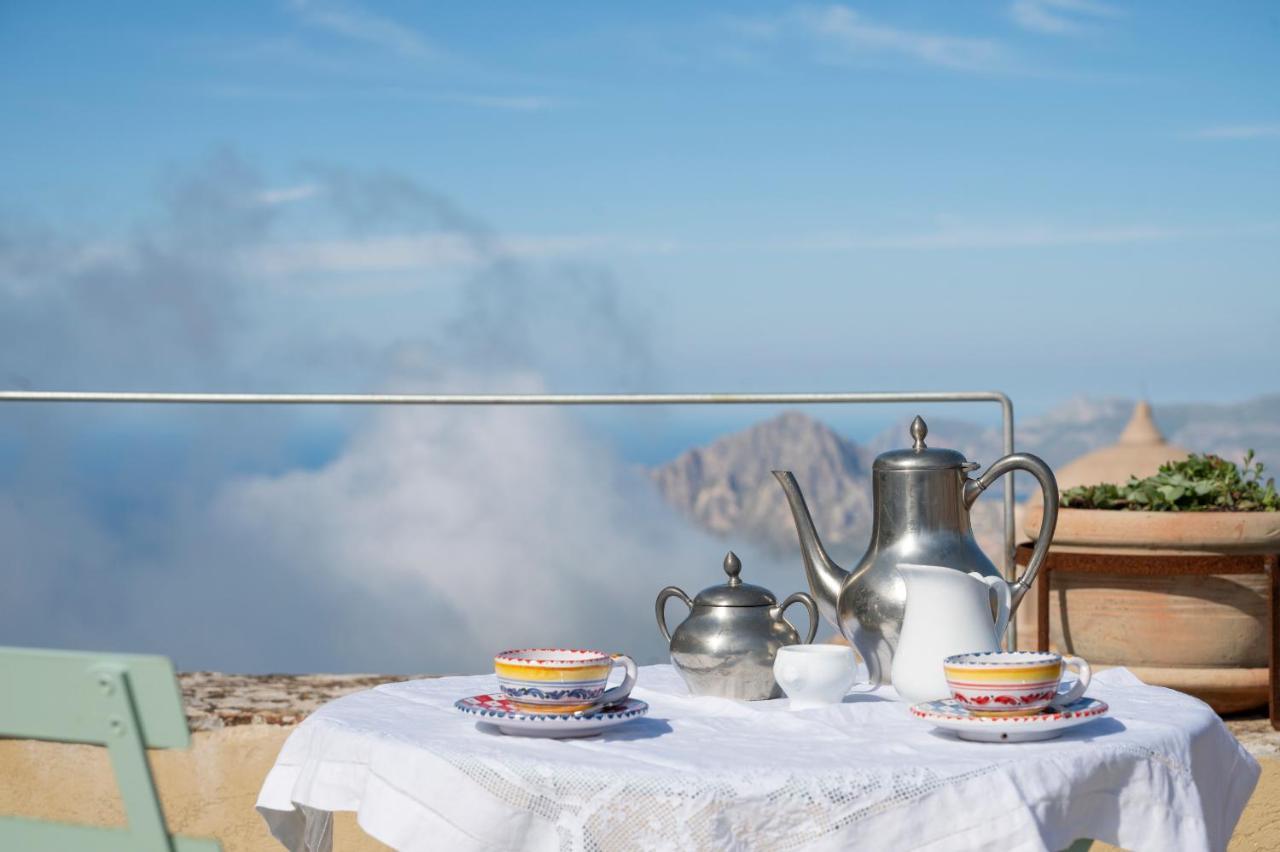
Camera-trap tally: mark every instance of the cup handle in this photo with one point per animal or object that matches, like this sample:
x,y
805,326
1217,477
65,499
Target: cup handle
x,y
1074,693
619,693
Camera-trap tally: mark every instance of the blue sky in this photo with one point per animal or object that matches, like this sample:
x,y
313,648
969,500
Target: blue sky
x,y
1050,196
1047,197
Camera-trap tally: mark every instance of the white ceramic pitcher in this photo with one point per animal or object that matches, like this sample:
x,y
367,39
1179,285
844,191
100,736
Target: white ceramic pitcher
x,y
948,612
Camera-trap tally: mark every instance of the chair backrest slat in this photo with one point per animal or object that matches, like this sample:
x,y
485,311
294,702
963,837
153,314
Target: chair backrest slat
x,y
125,702
32,835
53,695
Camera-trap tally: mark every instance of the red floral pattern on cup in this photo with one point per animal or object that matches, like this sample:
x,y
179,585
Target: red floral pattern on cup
x,y
1007,700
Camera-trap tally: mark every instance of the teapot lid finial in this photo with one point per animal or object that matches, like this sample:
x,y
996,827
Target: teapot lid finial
x,y
733,567
918,430
920,456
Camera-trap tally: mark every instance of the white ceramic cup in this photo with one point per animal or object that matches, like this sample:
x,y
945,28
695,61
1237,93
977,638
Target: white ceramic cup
x,y
815,675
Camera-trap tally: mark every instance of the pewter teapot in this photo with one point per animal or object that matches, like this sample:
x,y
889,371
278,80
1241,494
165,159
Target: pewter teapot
x,y
921,498
727,644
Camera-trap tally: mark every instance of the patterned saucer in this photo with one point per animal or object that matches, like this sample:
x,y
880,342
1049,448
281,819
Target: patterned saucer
x,y
497,710
950,715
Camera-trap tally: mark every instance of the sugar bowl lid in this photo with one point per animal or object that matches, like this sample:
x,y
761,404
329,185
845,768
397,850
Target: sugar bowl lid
x,y
734,592
920,456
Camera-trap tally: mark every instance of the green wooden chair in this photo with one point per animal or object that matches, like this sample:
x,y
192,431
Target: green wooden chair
x,y
125,702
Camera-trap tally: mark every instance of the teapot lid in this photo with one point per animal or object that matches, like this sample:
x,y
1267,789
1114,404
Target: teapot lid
x,y
920,456
735,592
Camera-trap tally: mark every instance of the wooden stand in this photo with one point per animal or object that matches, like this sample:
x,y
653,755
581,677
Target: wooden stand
x,y
1165,565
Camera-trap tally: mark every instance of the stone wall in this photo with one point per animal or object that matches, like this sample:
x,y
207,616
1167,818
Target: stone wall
x,y
214,700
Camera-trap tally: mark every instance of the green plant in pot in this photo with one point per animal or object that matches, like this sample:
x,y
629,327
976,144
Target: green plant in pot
x,y
1206,635
1199,483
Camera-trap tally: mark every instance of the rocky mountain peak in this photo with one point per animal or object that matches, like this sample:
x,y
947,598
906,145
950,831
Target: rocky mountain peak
x,y
727,486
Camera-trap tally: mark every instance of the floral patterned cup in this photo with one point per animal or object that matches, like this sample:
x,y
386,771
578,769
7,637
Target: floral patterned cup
x,y
1013,683
561,680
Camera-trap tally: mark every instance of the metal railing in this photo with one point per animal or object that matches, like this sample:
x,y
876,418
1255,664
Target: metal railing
x,y
1006,413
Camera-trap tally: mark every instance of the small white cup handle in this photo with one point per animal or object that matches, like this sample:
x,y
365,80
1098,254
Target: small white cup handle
x,y
1068,694
620,692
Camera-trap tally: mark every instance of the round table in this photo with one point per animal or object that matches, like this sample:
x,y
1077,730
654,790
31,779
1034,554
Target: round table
x,y
1161,771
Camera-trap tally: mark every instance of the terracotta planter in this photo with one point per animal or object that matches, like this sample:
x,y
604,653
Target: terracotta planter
x,y
1184,532
1203,635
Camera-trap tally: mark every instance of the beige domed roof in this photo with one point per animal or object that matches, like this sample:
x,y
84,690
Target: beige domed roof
x,y
1139,452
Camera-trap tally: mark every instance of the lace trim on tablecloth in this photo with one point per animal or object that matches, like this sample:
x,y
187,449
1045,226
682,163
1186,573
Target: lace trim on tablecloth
x,y
596,810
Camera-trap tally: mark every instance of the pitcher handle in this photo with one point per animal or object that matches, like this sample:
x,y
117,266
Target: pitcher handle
x,y
801,597
660,607
1035,466
1004,601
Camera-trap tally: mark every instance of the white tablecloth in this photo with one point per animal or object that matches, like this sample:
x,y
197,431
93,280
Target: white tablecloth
x,y
1162,772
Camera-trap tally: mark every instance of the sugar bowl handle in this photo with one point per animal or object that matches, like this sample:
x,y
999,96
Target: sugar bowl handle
x,y
801,597
660,607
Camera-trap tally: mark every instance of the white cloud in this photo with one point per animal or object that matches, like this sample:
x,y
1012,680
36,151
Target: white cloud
x,y
750,27
1012,237
443,251
476,530
1240,131
421,540
434,250
357,24
852,34
1059,17
434,539
508,103
374,254
387,37
287,194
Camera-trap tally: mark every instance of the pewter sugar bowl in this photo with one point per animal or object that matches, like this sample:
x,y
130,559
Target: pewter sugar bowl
x,y
727,644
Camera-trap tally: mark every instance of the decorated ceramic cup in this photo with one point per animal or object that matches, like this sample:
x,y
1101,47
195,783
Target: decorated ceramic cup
x,y
1013,683
560,680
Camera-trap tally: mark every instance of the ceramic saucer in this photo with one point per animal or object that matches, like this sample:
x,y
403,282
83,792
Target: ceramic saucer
x,y
1046,725
497,710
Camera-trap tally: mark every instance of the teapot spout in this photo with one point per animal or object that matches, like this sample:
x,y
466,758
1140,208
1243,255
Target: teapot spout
x,y
825,576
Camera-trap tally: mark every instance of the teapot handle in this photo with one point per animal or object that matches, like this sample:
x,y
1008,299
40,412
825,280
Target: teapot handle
x,y
801,597
660,607
1035,466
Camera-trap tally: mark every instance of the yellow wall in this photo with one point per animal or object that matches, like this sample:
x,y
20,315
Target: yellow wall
x,y
207,791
